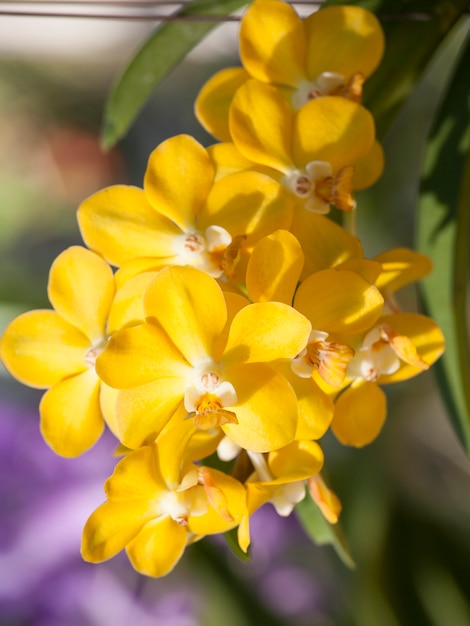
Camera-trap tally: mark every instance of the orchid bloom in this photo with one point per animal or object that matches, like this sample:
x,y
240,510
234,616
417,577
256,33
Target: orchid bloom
x,y
57,349
337,302
189,352
158,501
329,53
398,347
312,152
182,217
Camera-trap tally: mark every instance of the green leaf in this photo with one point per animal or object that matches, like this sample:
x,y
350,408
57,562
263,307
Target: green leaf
x,y
322,532
159,55
443,234
232,542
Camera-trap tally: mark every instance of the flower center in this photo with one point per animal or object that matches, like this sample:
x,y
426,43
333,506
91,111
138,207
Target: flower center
x,y
94,352
328,84
206,401
182,502
205,252
382,352
320,188
329,358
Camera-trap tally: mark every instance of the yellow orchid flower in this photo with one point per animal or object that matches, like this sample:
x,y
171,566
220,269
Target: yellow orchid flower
x,y
186,353
329,53
337,302
182,217
158,501
280,478
57,349
312,152
398,347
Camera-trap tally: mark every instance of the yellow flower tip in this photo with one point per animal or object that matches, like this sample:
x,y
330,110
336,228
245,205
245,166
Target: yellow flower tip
x,y
326,500
329,358
243,534
215,495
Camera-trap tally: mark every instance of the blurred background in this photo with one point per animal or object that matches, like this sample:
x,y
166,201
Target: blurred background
x,y
406,497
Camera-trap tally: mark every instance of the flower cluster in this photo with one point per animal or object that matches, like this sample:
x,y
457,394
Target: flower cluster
x,y
242,322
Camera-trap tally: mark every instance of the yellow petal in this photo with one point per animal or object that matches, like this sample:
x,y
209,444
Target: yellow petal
x,y
334,130
261,125
360,413
120,224
216,497
426,338
138,355
266,408
227,504
343,39
369,270
325,243
136,477
296,461
274,268
315,406
142,265
127,308
227,159
400,267
235,302
143,411
213,101
190,306
272,43
178,178
243,533
108,397
266,331
39,348
172,452
266,206
326,500
257,495
339,301
111,527
71,419
81,289
158,547
369,168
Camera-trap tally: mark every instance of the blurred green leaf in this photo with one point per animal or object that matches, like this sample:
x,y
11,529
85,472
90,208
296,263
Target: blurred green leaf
x,y
321,531
443,231
232,541
160,54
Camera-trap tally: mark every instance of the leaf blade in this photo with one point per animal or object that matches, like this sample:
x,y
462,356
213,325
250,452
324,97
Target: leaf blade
x,y
322,532
442,233
170,43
